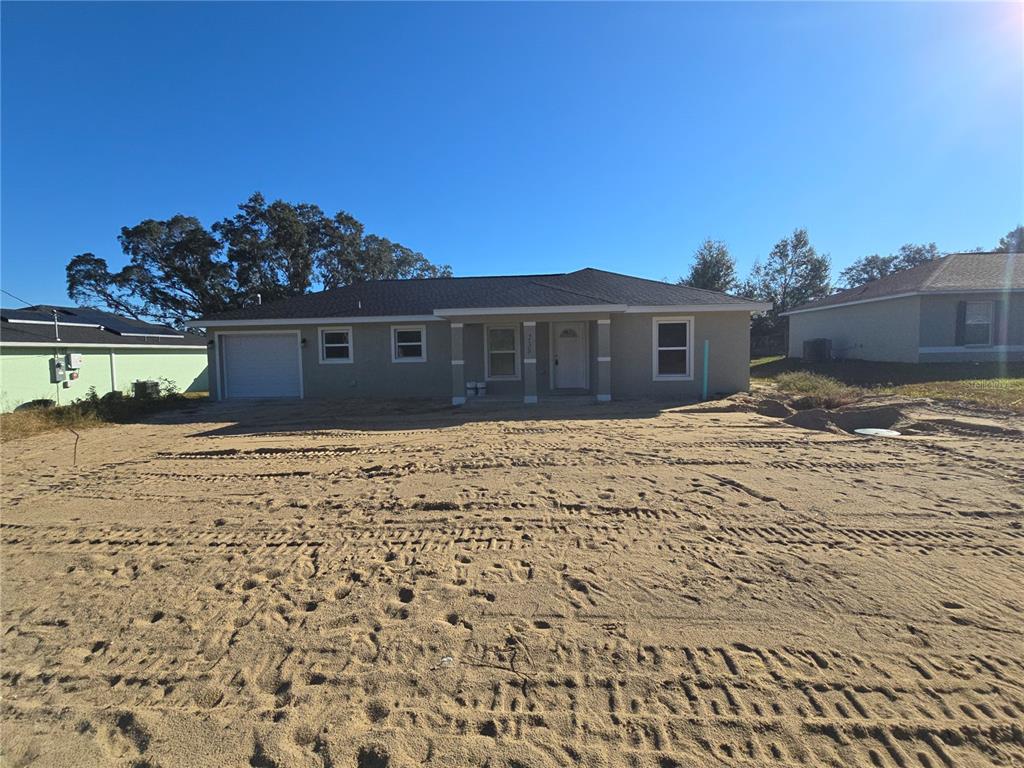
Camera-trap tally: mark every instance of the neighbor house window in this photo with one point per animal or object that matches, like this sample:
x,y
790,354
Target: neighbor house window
x,y
672,348
978,322
335,345
502,352
408,343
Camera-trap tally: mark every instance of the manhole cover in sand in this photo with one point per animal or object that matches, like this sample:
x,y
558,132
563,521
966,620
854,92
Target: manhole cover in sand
x,y
873,432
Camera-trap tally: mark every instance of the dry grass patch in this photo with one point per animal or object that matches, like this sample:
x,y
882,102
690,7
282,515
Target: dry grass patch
x,y
34,421
991,385
91,411
815,391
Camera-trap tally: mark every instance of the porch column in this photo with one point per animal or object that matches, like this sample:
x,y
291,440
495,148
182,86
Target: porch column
x,y
529,361
458,366
604,360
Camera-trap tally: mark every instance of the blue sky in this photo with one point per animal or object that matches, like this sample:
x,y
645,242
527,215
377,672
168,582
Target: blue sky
x,y
516,138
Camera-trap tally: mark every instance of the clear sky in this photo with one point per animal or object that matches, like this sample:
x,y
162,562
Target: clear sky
x,y
516,138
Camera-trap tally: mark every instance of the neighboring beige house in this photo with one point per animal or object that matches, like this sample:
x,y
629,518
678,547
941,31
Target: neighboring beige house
x,y
963,307
523,337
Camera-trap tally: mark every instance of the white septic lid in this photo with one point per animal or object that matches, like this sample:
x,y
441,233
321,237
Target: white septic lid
x,y
871,431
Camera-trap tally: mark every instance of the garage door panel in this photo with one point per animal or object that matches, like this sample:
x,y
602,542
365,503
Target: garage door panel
x,y
261,365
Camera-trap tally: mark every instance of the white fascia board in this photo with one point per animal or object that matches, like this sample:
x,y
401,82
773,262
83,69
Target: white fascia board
x,y
556,310
73,345
747,306
155,335
311,321
50,322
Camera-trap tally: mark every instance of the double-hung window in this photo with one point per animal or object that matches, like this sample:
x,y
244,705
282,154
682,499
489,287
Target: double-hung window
x,y
673,348
335,345
502,352
978,322
408,343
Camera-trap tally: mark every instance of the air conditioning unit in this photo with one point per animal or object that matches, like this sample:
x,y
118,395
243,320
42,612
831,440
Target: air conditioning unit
x,y
146,388
818,350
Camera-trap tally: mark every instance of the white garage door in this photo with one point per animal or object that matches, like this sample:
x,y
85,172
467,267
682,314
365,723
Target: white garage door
x,y
261,365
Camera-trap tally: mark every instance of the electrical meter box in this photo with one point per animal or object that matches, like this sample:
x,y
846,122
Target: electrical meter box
x,y
73,361
57,371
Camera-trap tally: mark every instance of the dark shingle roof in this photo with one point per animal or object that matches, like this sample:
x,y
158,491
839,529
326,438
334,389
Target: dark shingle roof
x,y
381,298
955,272
34,325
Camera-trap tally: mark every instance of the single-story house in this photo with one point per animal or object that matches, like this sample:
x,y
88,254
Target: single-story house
x,y
59,353
964,307
587,332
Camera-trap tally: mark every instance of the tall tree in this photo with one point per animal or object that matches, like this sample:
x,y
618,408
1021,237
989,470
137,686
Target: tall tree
x,y
713,268
794,273
349,256
272,248
866,269
1012,241
178,270
911,255
873,267
172,274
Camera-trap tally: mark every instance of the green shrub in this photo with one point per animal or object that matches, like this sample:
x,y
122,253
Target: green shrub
x,y
813,390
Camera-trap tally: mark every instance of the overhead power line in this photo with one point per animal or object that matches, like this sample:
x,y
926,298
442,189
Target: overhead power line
x,y
17,298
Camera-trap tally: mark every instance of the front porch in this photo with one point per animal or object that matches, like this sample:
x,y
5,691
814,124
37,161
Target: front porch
x,y
526,359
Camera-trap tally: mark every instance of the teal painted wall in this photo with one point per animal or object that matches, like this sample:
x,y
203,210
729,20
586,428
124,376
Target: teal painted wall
x,y
25,372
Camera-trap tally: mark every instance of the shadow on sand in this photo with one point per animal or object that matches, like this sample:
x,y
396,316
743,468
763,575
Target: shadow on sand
x,y
262,417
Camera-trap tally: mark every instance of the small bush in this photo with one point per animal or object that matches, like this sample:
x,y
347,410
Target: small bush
x,y
90,411
811,390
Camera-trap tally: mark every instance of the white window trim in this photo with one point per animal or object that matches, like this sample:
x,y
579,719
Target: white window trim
x,y
321,345
394,343
655,322
991,324
514,327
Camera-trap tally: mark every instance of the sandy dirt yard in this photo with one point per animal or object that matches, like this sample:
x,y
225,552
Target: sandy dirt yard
x,y
284,585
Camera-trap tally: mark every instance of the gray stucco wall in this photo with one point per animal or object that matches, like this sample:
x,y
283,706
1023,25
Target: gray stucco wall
x,y
938,328
373,374
877,330
632,341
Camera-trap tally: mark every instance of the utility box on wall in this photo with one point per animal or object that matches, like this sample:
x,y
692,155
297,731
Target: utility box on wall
x,y
58,372
73,360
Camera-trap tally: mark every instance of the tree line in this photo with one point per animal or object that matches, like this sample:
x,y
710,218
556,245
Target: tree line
x,y
794,272
178,269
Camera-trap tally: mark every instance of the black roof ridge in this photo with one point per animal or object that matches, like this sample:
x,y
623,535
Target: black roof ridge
x,y
662,282
449,277
983,253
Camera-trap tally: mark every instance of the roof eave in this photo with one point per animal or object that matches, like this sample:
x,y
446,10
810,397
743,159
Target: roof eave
x,y
737,306
258,321
905,294
567,309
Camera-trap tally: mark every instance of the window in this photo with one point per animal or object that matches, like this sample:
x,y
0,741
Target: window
x,y
502,352
408,343
335,345
672,348
978,322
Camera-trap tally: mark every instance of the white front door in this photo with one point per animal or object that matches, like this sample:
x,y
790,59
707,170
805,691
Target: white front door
x,y
570,353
